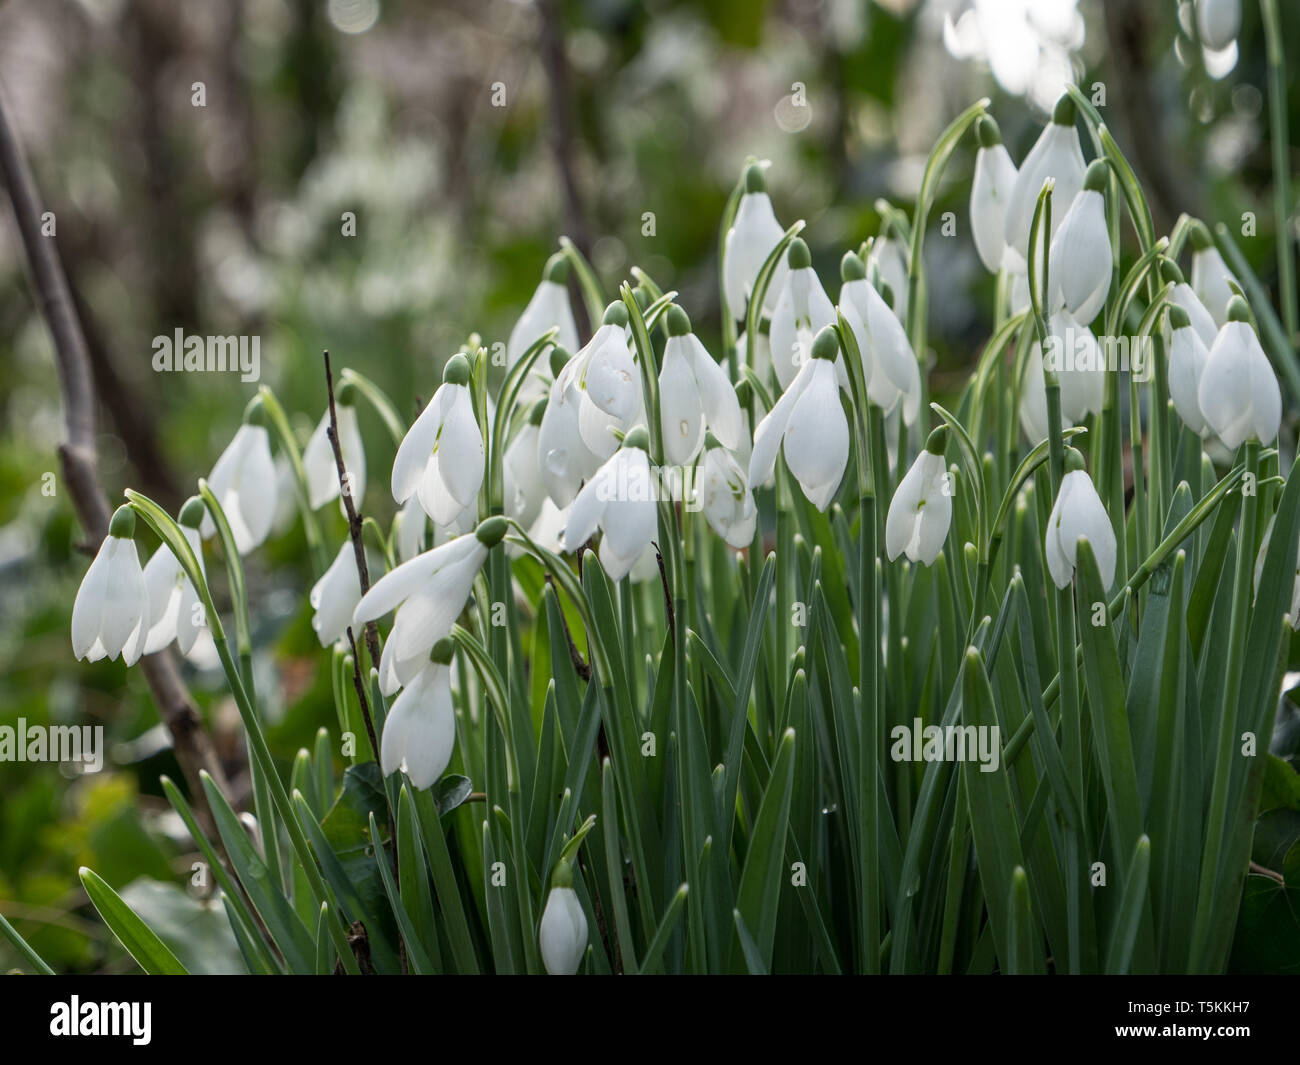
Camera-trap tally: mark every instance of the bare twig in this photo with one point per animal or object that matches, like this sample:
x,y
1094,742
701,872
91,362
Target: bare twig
x,y
80,461
575,656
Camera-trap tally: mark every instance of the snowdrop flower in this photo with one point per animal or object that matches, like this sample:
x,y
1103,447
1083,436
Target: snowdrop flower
x,y
1184,296
1080,260
1079,364
548,309
1294,613
608,384
990,191
889,258
1212,281
420,730
1218,22
1187,358
1057,155
318,456
429,592
888,363
110,616
409,527
810,422
921,510
723,493
243,480
441,457
695,395
802,309
620,501
750,240
562,934
521,472
1078,511
1238,393
335,596
563,457
175,610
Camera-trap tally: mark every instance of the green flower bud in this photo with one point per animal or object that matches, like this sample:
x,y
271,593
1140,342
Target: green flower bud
x,y
122,524
191,515
826,344
616,314
456,372
557,268
491,531
798,256
852,268
679,322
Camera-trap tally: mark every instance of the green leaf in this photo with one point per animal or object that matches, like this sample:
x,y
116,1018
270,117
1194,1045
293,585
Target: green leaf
x,y
1133,905
136,936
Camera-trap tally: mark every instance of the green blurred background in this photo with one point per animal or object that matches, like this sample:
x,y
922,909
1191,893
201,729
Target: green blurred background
x,y
228,218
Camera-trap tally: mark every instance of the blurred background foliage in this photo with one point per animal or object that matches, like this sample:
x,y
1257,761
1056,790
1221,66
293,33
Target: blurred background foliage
x,y
229,218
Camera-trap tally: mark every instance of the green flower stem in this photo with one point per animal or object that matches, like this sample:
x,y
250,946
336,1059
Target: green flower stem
x,y
378,399
1279,144
507,398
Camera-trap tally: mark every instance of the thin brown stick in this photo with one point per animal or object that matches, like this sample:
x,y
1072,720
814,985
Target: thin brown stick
x,y
80,461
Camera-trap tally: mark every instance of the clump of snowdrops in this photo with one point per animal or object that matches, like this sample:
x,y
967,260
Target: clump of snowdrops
x,y
658,622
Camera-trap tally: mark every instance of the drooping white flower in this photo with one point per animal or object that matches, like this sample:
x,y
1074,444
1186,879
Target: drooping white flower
x,y
1080,262
318,456
990,192
419,734
723,495
889,257
175,610
695,395
810,424
888,363
409,527
521,470
802,310
1294,612
1238,393
548,309
441,457
620,501
429,592
1080,365
563,457
1056,154
921,510
562,934
750,240
1212,281
335,596
110,616
1218,22
1078,511
1184,296
607,383
243,480
1187,358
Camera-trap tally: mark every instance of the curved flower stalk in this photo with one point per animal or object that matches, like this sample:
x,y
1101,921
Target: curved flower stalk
x,y
548,309
1212,281
522,472
562,934
607,384
1080,367
695,395
888,362
990,192
724,495
335,596
1238,393
441,457
175,610
243,480
318,456
419,734
620,501
1294,613
1057,155
1187,358
1078,512
802,310
750,240
110,616
563,457
428,593
809,424
921,511
1081,262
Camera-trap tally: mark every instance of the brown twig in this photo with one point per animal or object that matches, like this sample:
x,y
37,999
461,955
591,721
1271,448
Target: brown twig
x,y
575,656
80,461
